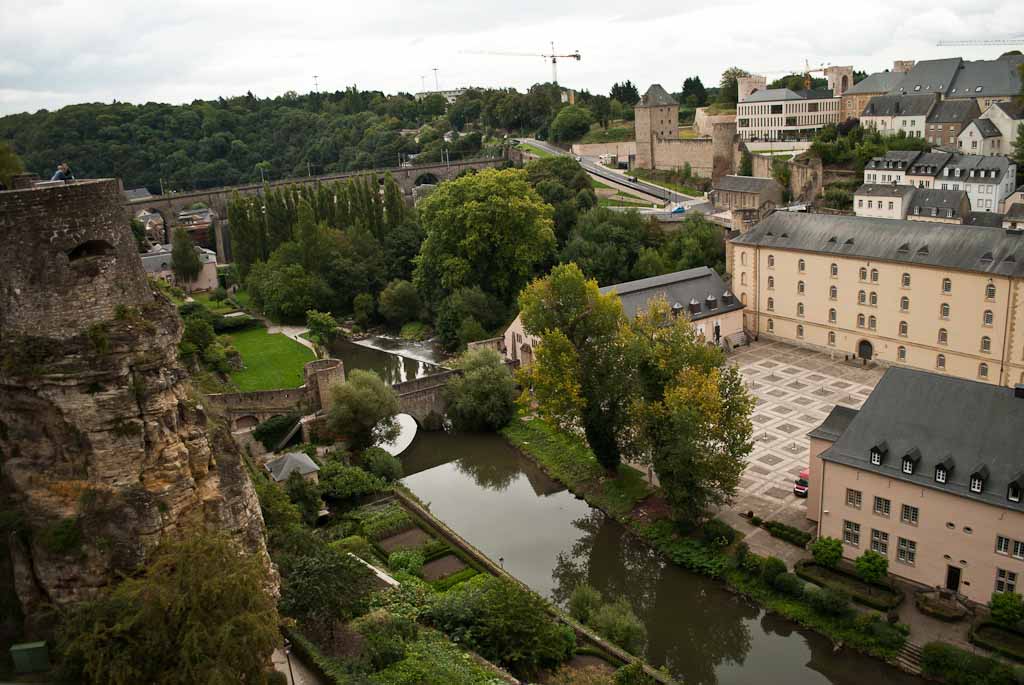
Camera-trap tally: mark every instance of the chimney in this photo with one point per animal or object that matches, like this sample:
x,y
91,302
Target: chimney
x,y
727,297
694,306
711,301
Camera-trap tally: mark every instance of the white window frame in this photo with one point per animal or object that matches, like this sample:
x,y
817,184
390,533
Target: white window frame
x,y
910,514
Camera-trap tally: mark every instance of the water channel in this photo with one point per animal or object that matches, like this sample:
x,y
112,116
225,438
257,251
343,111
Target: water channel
x,y
509,509
394,360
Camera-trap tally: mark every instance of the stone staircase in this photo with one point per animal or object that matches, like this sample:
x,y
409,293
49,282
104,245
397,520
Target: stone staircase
x,y
909,658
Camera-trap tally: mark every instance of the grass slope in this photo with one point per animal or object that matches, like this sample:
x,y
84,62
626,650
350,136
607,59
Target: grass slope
x,y
271,361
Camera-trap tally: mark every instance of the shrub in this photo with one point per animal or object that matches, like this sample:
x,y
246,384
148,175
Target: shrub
x,y
272,431
1007,609
889,635
616,621
385,522
829,602
956,666
382,464
872,567
61,537
345,483
788,584
356,544
399,303
718,532
584,601
219,294
752,563
384,637
782,531
827,551
755,520
772,567
742,552
633,674
363,309
408,560
483,397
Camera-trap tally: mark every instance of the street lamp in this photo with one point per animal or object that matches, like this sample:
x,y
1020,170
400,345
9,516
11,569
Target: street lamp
x,y
288,658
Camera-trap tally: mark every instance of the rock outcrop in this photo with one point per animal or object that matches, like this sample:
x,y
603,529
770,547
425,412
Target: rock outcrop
x,y
105,448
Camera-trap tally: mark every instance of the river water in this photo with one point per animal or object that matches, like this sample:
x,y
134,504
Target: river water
x,y
508,508
393,360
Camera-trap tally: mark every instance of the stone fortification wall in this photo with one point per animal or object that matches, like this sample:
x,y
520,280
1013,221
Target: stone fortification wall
x,y
805,175
67,259
703,123
623,150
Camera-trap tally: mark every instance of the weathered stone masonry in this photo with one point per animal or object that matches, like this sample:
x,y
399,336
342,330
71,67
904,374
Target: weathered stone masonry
x,y
101,435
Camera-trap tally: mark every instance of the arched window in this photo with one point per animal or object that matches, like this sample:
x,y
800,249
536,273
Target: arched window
x,y
873,299
862,297
831,337
863,274
904,304
771,282
834,270
940,361
872,322
990,292
771,325
833,292
860,321
801,265
799,331
943,336
743,258
874,275
771,261
799,308
944,310
800,287
906,280
983,370
987,318
771,304
743,278
986,344
901,353
903,328
832,316
947,285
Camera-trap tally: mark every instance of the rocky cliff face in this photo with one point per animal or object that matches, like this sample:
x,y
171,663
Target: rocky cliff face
x,y
105,448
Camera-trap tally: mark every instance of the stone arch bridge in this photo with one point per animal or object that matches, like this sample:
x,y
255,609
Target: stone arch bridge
x,y
407,178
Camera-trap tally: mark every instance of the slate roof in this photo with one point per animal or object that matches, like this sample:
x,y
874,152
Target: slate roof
x,y
977,249
929,76
1015,212
899,105
977,425
1013,109
656,96
985,219
159,258
956,78
976,163
929,163
945,201
834,424
879,82
282,467
685,288
778,94
987,129
903,159
747,184
883,190
954,112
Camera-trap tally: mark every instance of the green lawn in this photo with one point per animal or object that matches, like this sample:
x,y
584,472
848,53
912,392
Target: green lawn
x,y
271,361
594,183
614,134
526,147
222,307
621,201
646,175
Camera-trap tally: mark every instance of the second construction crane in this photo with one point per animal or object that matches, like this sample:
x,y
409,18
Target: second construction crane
x,y
552,56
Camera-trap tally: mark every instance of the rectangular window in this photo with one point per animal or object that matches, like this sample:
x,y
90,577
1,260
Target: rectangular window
x,y
906,551
851,533
853,498
882,505
1002,545
1006,581
909,514
880,542
1018,549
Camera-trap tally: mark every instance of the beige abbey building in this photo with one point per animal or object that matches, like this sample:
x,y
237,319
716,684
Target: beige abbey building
x,y
928,473
932,296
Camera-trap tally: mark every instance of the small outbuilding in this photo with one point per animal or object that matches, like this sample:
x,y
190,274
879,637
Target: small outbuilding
x,y
281,468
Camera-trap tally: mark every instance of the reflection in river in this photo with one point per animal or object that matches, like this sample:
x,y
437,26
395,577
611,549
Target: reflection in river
x,y
508,508
393,368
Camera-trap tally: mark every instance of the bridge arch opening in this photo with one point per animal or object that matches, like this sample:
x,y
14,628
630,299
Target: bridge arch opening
x,y
244,422
426,178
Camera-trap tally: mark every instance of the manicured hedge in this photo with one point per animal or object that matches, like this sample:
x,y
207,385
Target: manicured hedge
x,y
956,666
998,638
788,533
850,584
327,668
939,612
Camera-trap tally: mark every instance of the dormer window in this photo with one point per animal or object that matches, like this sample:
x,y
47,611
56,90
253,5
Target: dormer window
x,y
940,474
910,460
878,453
978,479
1014,489
908,465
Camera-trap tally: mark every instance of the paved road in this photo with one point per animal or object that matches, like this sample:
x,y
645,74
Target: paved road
x,y
605,173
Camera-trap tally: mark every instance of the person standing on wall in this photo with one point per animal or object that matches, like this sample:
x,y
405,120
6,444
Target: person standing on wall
x,y
63,173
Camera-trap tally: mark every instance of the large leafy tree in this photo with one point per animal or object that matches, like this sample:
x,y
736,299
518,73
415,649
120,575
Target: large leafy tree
x,y
10,164
625,92
184,261
326,587
580,376
483,397
694,92
606,244
728,92
490,229
571,123
363,409
199,613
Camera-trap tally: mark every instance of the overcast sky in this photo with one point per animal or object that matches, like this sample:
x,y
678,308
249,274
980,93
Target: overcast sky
x,y
56,53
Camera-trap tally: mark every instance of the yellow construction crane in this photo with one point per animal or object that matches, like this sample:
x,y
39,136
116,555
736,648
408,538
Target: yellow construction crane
x,y
806,71
552,56
991,41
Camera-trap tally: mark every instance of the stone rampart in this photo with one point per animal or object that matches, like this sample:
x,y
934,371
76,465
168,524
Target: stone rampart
x,y
623,150
805,175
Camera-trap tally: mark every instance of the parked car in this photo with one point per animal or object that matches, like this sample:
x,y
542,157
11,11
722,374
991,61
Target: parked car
x,y
800,484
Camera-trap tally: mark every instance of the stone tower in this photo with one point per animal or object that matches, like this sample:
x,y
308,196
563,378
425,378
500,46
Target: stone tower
x,y
902,66
748,85
106,449
840,79
656,117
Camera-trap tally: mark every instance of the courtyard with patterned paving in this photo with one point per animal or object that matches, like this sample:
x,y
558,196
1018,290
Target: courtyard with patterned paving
x,y
795,390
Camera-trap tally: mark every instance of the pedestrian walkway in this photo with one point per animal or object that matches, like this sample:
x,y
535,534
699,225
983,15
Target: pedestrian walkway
x,y
294,669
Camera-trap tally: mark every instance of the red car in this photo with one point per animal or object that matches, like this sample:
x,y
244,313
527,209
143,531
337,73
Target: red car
x,y
800,484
